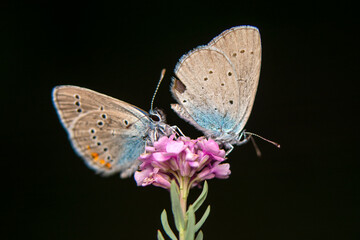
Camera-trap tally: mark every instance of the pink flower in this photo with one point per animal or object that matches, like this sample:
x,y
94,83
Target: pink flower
x,y
176,158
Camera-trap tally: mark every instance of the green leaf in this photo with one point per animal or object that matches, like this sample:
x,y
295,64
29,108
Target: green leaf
x,y
199,201
200,236
160,236
166,226
190,226
176,207
203,219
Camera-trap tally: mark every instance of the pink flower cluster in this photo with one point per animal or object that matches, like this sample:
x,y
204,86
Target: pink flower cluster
x,y
175,158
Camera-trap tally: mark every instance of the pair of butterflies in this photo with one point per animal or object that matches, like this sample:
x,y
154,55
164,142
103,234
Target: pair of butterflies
x,y
214,85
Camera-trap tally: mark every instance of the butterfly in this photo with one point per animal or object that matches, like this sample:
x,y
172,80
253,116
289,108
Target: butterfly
x,y
215,85
109,134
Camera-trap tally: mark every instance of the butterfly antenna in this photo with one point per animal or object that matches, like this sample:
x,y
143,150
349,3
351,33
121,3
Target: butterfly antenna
x,y
265,139
157,88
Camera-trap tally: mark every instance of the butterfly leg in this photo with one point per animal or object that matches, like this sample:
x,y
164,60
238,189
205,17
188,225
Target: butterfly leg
x,y
231,147
177,130
243,138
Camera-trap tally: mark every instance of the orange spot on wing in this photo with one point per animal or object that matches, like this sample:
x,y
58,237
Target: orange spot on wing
x,y
102,161
108,165
88,147
95,156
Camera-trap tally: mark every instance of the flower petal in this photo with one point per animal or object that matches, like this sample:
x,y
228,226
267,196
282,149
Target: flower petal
x,y
176,157
149,149
160,156
162,180
160,145
190,156
205,174
141,175
175,147
222,170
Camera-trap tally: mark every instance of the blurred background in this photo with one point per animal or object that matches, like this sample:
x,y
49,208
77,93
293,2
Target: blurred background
x,y
307,100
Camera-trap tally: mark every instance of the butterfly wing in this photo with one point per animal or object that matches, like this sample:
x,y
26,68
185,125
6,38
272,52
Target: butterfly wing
x,y
242,45
206,88
107,133
216,84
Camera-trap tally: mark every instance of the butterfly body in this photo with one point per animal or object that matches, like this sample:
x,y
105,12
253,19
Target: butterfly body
x,y
109,134
215,84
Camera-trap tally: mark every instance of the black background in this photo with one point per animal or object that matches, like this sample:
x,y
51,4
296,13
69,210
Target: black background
x,y
306,100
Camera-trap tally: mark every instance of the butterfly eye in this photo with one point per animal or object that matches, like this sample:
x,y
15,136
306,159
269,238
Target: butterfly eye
x,y
155,118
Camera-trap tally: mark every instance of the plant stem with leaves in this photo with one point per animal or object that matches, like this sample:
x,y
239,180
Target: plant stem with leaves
x,y
184,219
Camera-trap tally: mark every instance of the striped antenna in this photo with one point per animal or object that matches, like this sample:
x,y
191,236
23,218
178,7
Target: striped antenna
x,y
265,139
157,88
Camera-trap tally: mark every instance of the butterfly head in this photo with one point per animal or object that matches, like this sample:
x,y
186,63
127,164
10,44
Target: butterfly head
x,y
156,115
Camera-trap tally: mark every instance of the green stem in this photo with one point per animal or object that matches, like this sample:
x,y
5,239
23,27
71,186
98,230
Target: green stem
x,y
184,192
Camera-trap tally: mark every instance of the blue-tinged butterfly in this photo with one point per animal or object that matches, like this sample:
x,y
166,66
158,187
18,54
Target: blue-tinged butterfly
x,y
215,85
107,133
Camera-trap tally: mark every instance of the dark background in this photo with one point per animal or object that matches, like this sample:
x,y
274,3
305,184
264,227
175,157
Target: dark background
x,y
306,100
